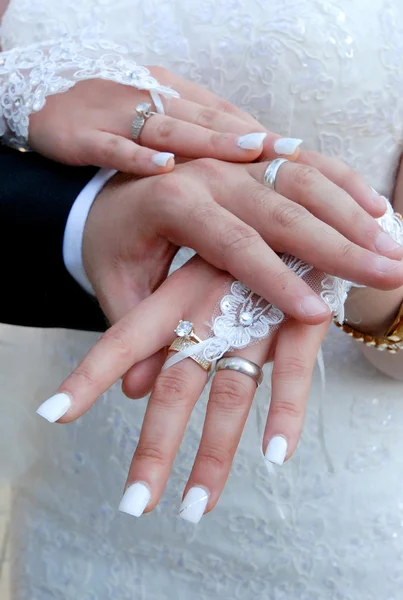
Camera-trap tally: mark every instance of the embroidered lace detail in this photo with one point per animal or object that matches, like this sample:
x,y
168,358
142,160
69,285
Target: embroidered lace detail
x,y
28,75
299,267
246,317
334,293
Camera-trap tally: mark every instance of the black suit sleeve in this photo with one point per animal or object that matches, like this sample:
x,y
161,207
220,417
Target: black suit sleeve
x,y
36,196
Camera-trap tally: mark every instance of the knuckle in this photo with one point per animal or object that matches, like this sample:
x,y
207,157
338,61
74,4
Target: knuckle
x,y
229,396
165,129
206,117
82,376
202,214
291,369
227,108
348,251
209,167
110,149
167,186
305,176
172,387
211,456
288,214
115,340
237,239
215,141
285,408
151,453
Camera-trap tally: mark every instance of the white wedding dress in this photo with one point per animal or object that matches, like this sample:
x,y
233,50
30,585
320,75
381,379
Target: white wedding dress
x,y
329,72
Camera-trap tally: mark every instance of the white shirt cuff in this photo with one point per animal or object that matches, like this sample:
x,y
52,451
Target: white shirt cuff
x,y
74,231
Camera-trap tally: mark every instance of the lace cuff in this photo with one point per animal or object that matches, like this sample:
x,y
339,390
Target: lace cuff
x,y
28,75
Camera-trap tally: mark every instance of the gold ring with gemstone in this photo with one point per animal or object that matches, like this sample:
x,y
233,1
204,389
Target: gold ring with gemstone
x,y
186,337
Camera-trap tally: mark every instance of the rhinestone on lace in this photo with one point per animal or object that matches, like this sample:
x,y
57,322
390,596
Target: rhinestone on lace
x,y
246,319
184,328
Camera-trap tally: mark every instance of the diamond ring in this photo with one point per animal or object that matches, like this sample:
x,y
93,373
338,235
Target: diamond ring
x,y
143,112
186,337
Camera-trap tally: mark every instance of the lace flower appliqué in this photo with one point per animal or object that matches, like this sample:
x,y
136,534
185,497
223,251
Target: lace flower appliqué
x,y
246,317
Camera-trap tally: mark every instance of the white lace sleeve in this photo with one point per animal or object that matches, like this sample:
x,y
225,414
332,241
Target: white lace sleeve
x,y
29,74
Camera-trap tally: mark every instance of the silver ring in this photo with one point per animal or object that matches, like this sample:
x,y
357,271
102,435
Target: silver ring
x,y
270,174
143,112
242,365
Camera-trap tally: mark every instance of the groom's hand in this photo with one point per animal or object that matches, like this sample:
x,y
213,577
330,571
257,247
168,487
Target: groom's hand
x,y
225,213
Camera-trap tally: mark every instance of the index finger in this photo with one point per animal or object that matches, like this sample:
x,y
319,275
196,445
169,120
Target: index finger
x,y
143,331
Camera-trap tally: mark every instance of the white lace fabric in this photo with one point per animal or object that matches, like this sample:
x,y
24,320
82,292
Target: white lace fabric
x,y
28,75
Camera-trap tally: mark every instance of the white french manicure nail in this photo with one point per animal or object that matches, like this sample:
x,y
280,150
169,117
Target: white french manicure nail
x,y
251,141
135,499
276,450
194,504
161,159
287,145
55,407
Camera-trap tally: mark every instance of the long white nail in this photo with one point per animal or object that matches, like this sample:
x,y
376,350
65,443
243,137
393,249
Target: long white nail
x,y
55,407
161,159
251,141
135,499
276,450
287,145
194,504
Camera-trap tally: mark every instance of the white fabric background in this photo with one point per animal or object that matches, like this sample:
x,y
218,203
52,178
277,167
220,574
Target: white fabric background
x,y
330,73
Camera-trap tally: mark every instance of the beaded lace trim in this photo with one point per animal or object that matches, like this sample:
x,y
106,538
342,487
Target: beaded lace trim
x,y
29,74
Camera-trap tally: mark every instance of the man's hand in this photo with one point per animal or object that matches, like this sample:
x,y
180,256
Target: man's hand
x,y
225,213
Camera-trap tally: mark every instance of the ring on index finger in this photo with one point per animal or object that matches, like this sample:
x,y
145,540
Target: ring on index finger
x,y
186,338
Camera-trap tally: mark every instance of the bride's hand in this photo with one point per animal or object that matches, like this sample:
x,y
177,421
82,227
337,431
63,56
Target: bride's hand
x,y
91,124
192,293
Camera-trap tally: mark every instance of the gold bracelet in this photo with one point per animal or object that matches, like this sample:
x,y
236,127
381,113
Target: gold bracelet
x,y
392,341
